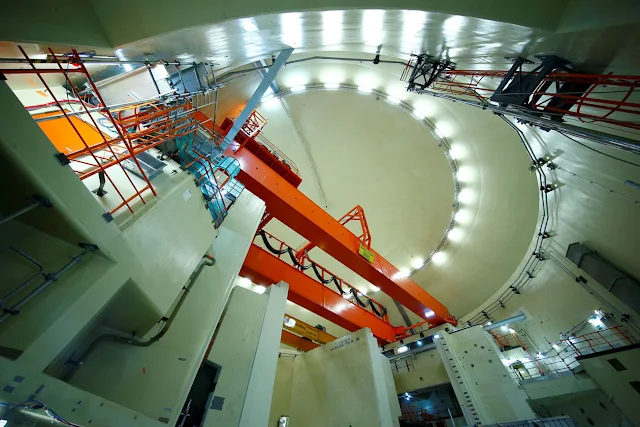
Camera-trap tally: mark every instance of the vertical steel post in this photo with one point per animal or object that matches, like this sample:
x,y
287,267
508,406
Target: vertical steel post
x,y
256,97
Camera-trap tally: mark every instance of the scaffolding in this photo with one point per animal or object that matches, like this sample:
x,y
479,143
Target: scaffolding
x,y
112,141
552,90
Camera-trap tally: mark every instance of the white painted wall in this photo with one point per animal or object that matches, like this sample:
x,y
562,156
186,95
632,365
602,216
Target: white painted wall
x,y
474,366
342,383
245,348
616,385
153,253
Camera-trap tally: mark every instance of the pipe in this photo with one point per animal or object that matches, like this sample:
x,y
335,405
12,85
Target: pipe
x,y
609,140
36,201
50,278
25,283
453,423
516,318
313,58
63,59
207,260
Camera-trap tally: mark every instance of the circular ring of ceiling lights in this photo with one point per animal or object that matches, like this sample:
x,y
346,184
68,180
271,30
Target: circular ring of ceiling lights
x,y
426,123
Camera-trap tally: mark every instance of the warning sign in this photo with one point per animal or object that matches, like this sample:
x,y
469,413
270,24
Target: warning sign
x,y
366,253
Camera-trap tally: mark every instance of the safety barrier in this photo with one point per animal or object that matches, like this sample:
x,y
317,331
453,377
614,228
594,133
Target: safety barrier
x,y
562,356
541,422
601,340
415,413
214,174
92,139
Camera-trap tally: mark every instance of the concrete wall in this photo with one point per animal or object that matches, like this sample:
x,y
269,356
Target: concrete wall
x,y
342,383
474,366
73,22
282,387
143,262
419,371
247,356
582,209
588,408
617,385
564,385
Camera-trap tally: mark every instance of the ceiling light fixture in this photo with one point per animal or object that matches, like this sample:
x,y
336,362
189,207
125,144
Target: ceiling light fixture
x,y
243,281
296,89
331,85
418,115
393,100
463,216
436,336
260,289
248,25
289,322
402,274
375,289
464,174
455,235
457,152
439,257
402,349
417,262
466,195
429,313
438,133
363,89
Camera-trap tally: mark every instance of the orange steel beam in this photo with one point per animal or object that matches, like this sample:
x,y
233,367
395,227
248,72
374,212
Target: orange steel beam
x,y
301,214
355,214
299,343
263,268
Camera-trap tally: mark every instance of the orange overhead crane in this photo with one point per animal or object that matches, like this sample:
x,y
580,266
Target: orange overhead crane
x,y
264,268
286,203
301,335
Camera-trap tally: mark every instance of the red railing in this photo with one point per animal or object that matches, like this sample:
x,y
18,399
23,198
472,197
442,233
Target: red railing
x,y
252,129
281,247
92,159
415,414
561,357
606,94
601,340
96,139
260,138
254,124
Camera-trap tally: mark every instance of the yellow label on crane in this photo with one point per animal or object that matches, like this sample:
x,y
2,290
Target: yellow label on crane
x,y
366,253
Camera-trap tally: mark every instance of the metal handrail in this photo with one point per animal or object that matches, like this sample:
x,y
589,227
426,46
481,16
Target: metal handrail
x,y
603,339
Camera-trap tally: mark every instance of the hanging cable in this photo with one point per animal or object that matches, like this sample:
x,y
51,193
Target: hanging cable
x,y
599,152
526,274
590,181
336,280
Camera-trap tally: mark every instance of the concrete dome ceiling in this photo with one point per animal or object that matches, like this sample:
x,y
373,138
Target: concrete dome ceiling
x,y
365,150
